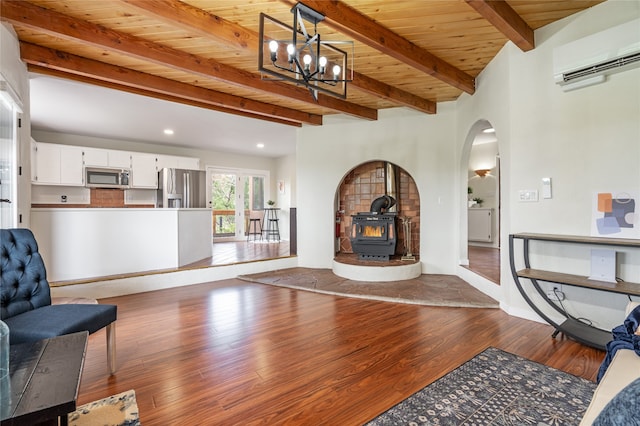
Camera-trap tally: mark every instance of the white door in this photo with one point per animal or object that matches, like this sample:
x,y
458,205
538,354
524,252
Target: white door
x,y
8,163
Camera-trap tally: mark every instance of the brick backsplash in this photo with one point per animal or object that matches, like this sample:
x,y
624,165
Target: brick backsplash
x,y
101,197
364,184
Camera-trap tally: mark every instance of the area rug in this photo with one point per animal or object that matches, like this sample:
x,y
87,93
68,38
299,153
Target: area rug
x,y
116,410
427,289
496,388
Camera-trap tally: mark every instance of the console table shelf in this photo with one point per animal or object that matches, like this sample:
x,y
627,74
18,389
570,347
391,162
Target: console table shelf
x,y
622,287
571,327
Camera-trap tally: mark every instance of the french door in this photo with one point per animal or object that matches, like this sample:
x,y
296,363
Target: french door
x,y
233,194
9,111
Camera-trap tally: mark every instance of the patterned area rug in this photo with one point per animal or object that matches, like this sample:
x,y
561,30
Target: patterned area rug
x,y
116,410
496,388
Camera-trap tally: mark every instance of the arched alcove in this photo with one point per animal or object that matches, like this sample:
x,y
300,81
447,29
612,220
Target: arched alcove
x,y
368,181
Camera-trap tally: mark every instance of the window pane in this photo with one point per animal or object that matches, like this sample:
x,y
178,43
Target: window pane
x,y
258,192
223,200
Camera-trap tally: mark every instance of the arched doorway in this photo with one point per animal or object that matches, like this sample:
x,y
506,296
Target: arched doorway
x,y
483,202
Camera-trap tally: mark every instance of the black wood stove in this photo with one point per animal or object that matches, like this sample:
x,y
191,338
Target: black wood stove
x,y
373,233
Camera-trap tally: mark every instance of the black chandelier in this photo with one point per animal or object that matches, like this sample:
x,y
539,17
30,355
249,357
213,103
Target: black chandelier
x,y
290,53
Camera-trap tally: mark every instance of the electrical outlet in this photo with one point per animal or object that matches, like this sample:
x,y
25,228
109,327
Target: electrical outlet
x,y
556,294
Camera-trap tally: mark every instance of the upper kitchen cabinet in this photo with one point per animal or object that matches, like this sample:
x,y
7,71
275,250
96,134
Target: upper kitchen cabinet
x,y
54,164
176,162
144,172
120,159
97,157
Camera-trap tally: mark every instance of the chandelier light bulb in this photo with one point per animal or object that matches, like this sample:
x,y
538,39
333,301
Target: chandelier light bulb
x,y
336,71
322,62
291,50
306,59
273,47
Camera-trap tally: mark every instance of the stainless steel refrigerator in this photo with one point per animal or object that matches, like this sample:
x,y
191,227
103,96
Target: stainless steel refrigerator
x,y
179,188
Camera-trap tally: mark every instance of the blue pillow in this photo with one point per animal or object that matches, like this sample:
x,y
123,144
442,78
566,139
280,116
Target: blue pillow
x,y
623,409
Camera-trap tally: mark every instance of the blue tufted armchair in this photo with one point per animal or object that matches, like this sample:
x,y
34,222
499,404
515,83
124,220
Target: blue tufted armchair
x,y
25,299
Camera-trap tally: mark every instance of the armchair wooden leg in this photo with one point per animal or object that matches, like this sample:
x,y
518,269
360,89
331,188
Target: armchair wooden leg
x,y
111,347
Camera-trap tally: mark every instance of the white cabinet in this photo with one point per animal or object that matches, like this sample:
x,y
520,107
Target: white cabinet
x,y
54,164
144,173
480,223
120,159
98,157
71,168
188,163
46,164
177,162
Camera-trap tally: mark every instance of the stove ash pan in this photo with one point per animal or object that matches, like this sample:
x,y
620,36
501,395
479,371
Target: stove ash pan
x,y
373,235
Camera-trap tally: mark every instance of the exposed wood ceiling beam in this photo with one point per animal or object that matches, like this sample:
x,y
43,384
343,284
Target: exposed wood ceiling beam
x,y
349,21
375,87
205,24
507,21
84,79
22,13
68,63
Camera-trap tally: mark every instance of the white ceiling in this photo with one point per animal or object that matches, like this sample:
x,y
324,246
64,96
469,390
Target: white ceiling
x,y
65,106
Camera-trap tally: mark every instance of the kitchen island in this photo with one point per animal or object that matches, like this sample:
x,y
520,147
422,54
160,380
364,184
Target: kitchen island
x,y
83,243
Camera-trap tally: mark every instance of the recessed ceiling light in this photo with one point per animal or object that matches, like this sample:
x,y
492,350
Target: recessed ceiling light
x,y
489,130
260,145
168,131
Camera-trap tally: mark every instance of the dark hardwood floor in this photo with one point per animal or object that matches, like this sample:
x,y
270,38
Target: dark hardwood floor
x,y
233,352
227,253
485,261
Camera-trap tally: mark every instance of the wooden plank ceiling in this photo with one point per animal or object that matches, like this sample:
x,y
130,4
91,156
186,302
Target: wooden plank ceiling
x,y
412,53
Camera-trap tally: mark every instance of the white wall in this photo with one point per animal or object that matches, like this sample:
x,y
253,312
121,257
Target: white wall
x,y
586,140
14,72
423,145
286,197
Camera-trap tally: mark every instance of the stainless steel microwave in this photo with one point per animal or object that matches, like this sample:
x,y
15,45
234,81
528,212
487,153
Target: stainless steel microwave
x,y
98,177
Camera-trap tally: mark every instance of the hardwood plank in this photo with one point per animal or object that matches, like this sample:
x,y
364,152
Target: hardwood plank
x,y
232,352
485,261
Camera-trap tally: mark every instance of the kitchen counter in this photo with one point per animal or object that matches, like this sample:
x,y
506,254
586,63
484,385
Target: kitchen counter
x,y
85,243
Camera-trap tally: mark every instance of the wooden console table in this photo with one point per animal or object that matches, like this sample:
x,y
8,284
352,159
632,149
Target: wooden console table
x,y
45,377
571,327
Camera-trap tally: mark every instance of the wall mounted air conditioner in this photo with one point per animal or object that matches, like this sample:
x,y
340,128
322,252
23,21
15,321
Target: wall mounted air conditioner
x,y
590,59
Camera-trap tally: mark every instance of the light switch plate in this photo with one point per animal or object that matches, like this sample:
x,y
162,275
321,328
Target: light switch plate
x,y
527,195
546,187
